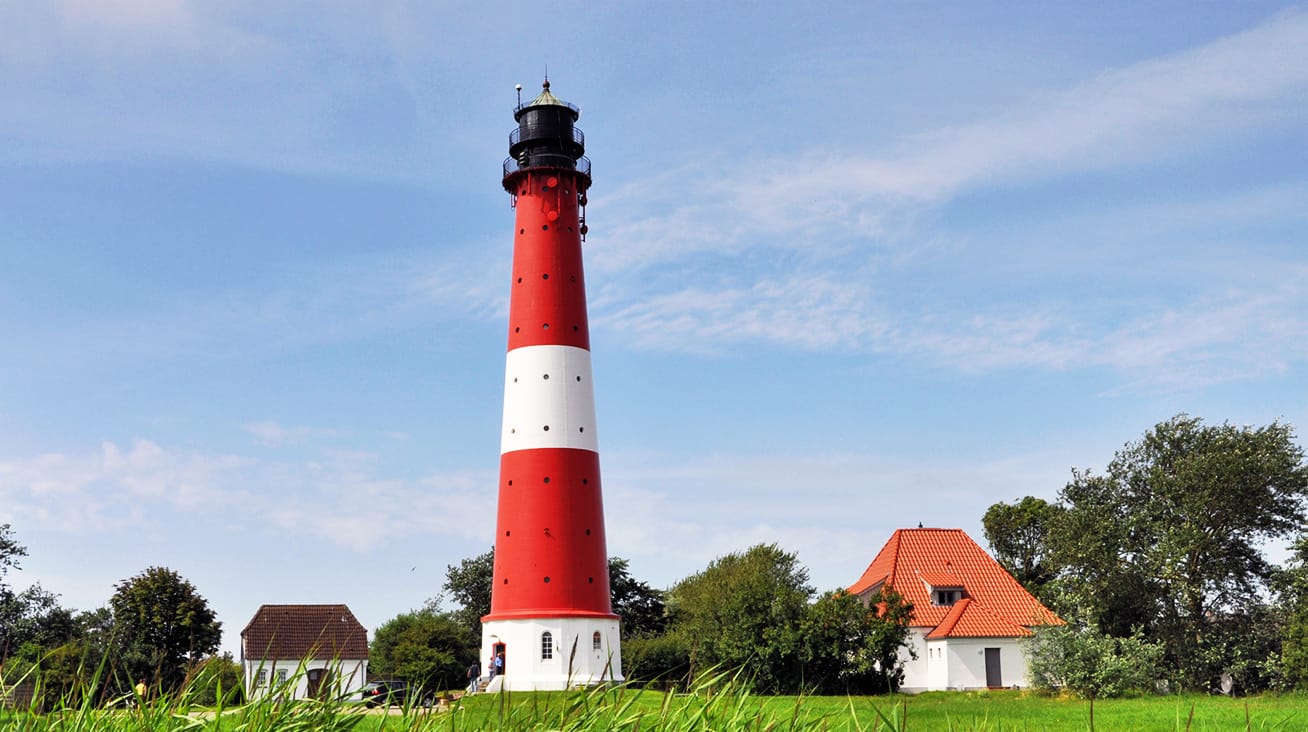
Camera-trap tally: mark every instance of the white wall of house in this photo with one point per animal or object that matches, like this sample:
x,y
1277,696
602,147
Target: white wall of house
x,y
291,678
967,662
959,663
937,665
916,671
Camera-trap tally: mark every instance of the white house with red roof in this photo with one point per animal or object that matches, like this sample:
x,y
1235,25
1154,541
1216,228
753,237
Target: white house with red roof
x,y
969,614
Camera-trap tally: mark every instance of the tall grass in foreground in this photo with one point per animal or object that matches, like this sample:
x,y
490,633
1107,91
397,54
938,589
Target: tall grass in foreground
x,y
719,703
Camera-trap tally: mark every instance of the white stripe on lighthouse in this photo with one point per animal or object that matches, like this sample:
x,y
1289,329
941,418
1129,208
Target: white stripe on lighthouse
x,y
548,399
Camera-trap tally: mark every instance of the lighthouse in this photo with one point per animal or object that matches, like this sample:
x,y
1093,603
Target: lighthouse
x,y
551,613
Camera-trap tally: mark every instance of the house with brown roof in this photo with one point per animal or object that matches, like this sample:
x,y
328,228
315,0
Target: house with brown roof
x,y
969,614
304,651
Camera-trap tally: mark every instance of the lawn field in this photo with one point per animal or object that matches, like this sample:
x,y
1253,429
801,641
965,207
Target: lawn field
x,y
953,711
725,711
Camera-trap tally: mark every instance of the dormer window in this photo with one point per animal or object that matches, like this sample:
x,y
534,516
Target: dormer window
x,y
946,597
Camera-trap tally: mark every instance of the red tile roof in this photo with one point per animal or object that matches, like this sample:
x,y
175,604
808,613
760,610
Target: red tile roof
x,y
970,619
994,604
299,632
940,580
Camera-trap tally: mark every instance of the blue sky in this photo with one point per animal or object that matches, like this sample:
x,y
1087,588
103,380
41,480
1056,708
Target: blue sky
x,y
852,266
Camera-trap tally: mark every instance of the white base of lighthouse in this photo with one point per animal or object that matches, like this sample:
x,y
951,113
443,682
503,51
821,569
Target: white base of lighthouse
x,y
552,654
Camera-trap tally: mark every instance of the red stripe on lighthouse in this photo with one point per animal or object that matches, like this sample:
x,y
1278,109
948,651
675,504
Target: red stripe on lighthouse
x,y
550,555
548,304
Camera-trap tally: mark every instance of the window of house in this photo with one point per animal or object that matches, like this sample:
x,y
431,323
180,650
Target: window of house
x,y
546,646
281,676
595,641
946,597
261,678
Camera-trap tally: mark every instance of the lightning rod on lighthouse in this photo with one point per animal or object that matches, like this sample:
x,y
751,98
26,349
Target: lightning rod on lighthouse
x,y
551,615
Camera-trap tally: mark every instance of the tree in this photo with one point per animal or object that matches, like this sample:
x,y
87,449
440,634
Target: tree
x,y
469,584
744,611
642,608
164,627
32,616
1169,540
853,648
1018,535
1291,585
425,648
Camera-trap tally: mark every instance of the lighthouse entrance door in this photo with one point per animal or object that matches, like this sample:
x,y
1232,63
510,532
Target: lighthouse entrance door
x,y
497,651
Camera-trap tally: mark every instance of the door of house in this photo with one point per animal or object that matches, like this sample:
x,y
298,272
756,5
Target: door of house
x,y
994,676
318,682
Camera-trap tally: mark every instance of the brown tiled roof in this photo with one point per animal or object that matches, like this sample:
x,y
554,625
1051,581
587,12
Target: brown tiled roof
x,y
914,558
298,632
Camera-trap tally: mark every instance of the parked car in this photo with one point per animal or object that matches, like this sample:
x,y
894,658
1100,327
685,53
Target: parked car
x,y
388,693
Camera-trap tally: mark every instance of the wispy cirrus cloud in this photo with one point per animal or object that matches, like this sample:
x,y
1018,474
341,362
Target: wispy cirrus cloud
x,y
808,252
1144,112
1210,338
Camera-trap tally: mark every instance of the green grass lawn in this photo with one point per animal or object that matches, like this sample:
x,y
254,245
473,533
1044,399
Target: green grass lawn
x,y
728,711
989,711
934,711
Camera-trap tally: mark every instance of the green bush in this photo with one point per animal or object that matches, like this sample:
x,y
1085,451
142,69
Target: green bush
x,y
1090,664
662,661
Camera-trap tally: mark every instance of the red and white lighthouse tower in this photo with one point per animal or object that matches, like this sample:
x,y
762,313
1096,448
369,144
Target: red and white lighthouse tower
x,y
551,613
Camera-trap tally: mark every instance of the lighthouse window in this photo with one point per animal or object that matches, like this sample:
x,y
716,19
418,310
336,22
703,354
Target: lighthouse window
x,y
546,646
545,227
547,428
545,276
578,378
547,479
545,377
581,429
595,641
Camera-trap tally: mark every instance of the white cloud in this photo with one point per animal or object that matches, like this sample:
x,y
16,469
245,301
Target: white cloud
x,y
337,499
